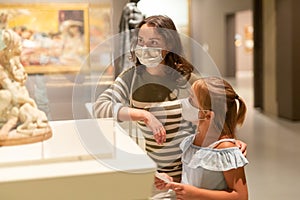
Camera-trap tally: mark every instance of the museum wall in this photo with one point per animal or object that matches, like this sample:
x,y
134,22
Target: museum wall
x,y
208,25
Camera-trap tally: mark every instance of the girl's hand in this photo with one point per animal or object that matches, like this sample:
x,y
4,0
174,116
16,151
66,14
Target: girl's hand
x,y
161,184
242,146
183,191
159,132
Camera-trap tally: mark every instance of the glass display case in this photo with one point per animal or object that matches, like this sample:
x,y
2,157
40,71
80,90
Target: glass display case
x,y
85,159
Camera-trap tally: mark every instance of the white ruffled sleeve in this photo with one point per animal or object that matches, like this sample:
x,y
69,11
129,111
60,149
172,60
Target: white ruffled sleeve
x,y
186,142
218,159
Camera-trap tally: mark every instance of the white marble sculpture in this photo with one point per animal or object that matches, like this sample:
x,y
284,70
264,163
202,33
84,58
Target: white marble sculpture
x,y
20,119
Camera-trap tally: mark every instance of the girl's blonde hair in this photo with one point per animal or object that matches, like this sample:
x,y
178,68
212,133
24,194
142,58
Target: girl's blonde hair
x,y
216,94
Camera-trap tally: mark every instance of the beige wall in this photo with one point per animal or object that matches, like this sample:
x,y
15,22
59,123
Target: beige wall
x,y
208,24
269,57
287,58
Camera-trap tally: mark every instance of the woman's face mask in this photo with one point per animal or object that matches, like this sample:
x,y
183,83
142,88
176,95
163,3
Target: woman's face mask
x,y
149,56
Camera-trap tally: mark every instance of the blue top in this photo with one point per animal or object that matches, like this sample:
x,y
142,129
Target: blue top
x,y
203,166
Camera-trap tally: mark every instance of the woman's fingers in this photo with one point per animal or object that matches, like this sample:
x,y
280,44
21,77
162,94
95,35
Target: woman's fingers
x,y
157,128
160,135
163,132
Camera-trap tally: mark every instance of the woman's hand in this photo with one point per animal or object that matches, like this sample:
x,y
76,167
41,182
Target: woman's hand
x,y
159,132
242,146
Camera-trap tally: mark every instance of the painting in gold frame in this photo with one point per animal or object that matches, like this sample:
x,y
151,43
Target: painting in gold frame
x,y
55,37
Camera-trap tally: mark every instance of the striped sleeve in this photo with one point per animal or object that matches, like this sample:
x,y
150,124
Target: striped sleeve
x,y
113,98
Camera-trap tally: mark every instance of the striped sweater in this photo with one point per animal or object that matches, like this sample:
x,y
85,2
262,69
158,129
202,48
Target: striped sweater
x,y
159,96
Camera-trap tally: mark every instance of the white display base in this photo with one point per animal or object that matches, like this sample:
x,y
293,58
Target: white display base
x,y
84,159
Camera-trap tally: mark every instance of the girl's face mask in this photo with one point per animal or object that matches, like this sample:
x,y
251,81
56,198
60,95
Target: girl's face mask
x,y
149,56
189,112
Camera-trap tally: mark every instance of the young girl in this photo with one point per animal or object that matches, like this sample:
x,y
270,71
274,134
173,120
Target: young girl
x,y
213,166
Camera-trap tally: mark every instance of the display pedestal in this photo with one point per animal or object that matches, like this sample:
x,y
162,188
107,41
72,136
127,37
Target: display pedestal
x,y
15,138
78,162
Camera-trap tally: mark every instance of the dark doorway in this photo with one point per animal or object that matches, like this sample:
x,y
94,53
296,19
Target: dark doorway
x,y
230,47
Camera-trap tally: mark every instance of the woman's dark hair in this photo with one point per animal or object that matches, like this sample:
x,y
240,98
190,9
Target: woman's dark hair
x,y
174,59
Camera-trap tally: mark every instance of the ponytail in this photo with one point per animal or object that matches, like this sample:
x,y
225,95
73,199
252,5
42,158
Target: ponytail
x,y
241,113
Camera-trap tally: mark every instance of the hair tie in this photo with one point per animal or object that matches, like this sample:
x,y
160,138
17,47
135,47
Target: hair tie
x,y
236,96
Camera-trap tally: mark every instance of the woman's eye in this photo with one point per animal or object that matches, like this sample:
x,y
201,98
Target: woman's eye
x,y
154,43
140,41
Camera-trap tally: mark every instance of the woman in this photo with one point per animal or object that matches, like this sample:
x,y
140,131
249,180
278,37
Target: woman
x,y
149,91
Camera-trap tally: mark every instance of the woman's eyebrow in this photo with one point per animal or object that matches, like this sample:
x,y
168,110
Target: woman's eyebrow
x,y
154,38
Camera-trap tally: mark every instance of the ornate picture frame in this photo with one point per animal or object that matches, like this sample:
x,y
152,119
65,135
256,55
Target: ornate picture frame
x,y
55,37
